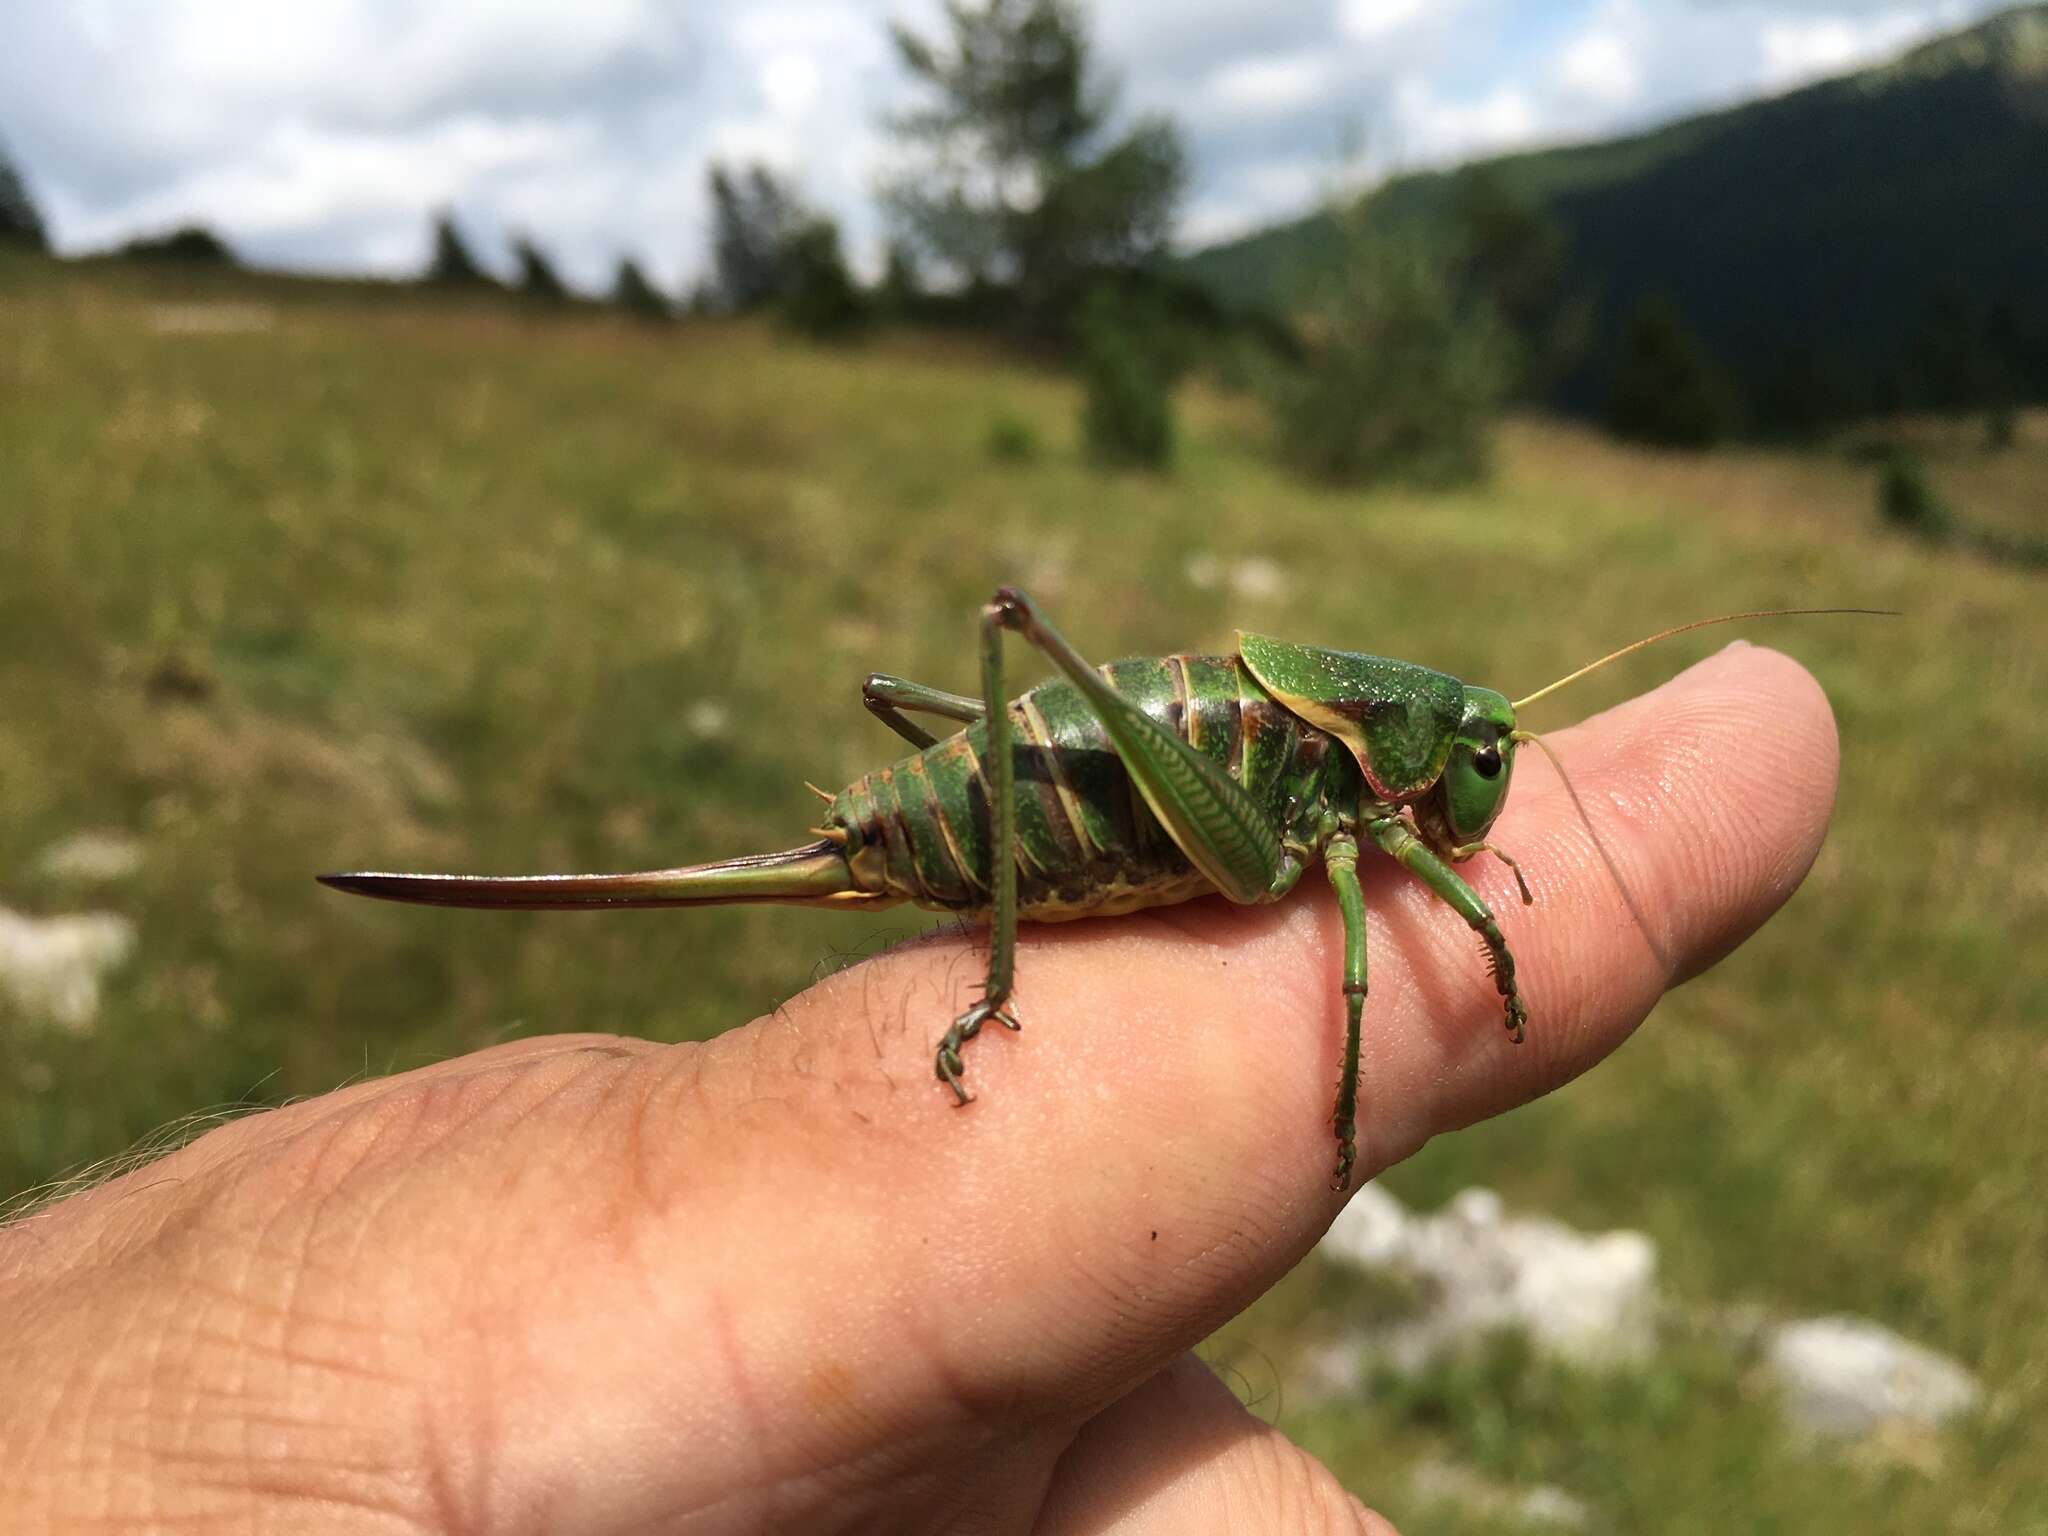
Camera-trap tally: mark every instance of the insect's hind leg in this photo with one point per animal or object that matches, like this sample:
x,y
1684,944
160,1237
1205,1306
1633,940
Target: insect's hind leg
x,y
1000,770
1207,814
887,697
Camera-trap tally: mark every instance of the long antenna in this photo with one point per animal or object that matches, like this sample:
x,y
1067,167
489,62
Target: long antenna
x,y
1726,618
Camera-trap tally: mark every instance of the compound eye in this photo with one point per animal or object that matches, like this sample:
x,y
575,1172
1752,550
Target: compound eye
x,y
1487,761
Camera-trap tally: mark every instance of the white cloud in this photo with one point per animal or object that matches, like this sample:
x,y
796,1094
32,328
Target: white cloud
x,y
1372,20
1272,84
1600,67
1433,130
789,83
324,132
1800,49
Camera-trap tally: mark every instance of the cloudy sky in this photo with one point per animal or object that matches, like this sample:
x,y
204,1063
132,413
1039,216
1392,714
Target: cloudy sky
x,y
318,134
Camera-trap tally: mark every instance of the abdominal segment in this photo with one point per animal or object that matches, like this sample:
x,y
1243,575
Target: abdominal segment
x,y
1087,844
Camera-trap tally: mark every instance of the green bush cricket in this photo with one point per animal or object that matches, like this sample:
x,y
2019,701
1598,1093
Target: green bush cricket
x,y
1139,784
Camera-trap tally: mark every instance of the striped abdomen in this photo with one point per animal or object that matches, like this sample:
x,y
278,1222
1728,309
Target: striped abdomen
x,y
1086,841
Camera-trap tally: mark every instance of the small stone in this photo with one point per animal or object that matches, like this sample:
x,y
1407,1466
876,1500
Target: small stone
x,y
53,965
1333,1371
1204,571
1588,1299
1544,1504
91,858
1845,1377
1477,1208
1257,579
707,719
1371,1232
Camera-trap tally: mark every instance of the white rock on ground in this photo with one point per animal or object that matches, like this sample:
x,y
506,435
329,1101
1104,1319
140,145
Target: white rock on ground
x,y
1589,1299
1257,579
91,858
1844,1377
1544,1504
1253,578
52,965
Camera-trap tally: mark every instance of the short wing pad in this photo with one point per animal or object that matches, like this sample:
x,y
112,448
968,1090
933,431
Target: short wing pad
x,y
1398,719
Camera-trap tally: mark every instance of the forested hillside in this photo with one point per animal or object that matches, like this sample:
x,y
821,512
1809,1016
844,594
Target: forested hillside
x,y
1869,241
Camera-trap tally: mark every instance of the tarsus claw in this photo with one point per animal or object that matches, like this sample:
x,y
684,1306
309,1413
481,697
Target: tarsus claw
x,y
947,1065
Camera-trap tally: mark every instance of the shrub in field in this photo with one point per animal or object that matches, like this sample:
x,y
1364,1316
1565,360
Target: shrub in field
x,y
1906,500
1011,440
1400,377
2001,427
901,295
194,243
1127,368
818,295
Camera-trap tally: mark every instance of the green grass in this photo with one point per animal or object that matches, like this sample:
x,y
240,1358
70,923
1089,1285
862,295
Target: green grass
x,y
463,585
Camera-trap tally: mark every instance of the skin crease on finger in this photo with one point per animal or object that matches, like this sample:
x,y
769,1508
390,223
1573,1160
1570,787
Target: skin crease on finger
x,y
842,1290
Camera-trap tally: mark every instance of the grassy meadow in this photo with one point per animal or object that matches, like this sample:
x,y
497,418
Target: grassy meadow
x,y
347,577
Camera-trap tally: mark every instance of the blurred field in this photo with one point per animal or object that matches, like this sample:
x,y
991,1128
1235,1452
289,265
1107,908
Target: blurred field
x,y
355,579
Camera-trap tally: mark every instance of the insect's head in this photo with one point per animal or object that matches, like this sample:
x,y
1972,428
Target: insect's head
x,y
1475,779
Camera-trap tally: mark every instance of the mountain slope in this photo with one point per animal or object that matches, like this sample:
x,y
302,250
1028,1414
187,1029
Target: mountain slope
x,y
1825,220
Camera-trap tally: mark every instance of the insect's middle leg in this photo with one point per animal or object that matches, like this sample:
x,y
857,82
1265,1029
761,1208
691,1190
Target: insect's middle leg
x,y
1340,861
1394,835
887,697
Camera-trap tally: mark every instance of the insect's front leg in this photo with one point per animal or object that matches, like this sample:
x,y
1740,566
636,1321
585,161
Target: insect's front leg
x,y
1340,861
1399,840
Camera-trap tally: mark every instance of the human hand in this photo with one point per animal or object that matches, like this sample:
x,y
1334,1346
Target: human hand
x,y
776,1282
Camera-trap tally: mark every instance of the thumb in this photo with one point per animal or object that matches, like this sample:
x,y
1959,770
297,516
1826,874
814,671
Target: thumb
x,y
1180,1456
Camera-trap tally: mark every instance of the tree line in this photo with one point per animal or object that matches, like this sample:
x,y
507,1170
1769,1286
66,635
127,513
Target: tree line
x,y
1029,207
1020,190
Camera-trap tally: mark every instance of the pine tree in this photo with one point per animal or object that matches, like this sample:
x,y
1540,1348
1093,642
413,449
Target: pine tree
x,y
537,276
1020,184
819,297
633,293
451,263
20,221
754,216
